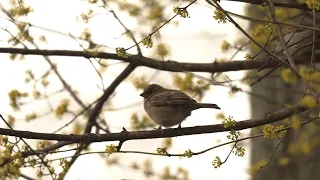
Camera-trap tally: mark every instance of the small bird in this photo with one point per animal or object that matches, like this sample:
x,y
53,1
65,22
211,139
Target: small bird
x,y
169,107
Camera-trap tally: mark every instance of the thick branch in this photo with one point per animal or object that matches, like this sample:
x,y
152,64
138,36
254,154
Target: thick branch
x,y
165,133
172,66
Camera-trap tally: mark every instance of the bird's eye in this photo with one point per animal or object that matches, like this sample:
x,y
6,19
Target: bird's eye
x,y
150,90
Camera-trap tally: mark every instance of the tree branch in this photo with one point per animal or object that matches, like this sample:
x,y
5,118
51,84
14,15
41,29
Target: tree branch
x,y
293,5
96,110
170,65
164,133
312,91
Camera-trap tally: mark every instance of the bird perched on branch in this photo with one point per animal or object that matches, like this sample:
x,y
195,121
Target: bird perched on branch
x,y
169,107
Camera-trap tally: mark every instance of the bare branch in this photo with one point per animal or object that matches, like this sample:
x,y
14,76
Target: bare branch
x,y
164,133
293,5
173,66
96,110
293,66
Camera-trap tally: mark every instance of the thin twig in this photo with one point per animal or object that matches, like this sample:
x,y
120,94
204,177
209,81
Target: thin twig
x,y
289,56
157,29
41,158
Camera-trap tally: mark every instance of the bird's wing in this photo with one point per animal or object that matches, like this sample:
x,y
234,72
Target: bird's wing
x,y
171,98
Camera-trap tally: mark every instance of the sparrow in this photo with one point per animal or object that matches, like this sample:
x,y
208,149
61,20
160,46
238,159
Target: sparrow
x,y
169,107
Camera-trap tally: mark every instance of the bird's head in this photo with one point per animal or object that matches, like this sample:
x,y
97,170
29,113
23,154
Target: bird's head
x,y
152,89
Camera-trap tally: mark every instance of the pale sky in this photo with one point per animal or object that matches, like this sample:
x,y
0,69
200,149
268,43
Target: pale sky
x,y
196,39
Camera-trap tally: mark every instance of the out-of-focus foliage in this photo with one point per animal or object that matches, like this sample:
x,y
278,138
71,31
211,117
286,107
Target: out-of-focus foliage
x,y
220,116
15,96
261,31
141,123
167,142
181,174
313,4
288,76
43,144
11,120
225,46
62,108
284,161
188,84
163,50
31,116
149,14
140,82
77,128
256,167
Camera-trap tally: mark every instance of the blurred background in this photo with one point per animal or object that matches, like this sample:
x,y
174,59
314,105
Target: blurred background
x,y
45,93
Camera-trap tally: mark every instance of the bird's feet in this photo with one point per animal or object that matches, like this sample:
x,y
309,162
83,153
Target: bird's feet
x,y
157,128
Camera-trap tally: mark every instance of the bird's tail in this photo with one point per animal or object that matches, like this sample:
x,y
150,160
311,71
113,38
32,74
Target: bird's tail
x,y
207,105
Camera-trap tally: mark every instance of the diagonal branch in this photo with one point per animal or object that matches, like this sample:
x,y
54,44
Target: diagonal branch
x,y
65,84
293,5
96,110
289,56
94,114
128,31
278,22
291,63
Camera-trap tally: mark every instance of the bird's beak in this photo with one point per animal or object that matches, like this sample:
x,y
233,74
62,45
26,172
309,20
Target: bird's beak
x,y
142,94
